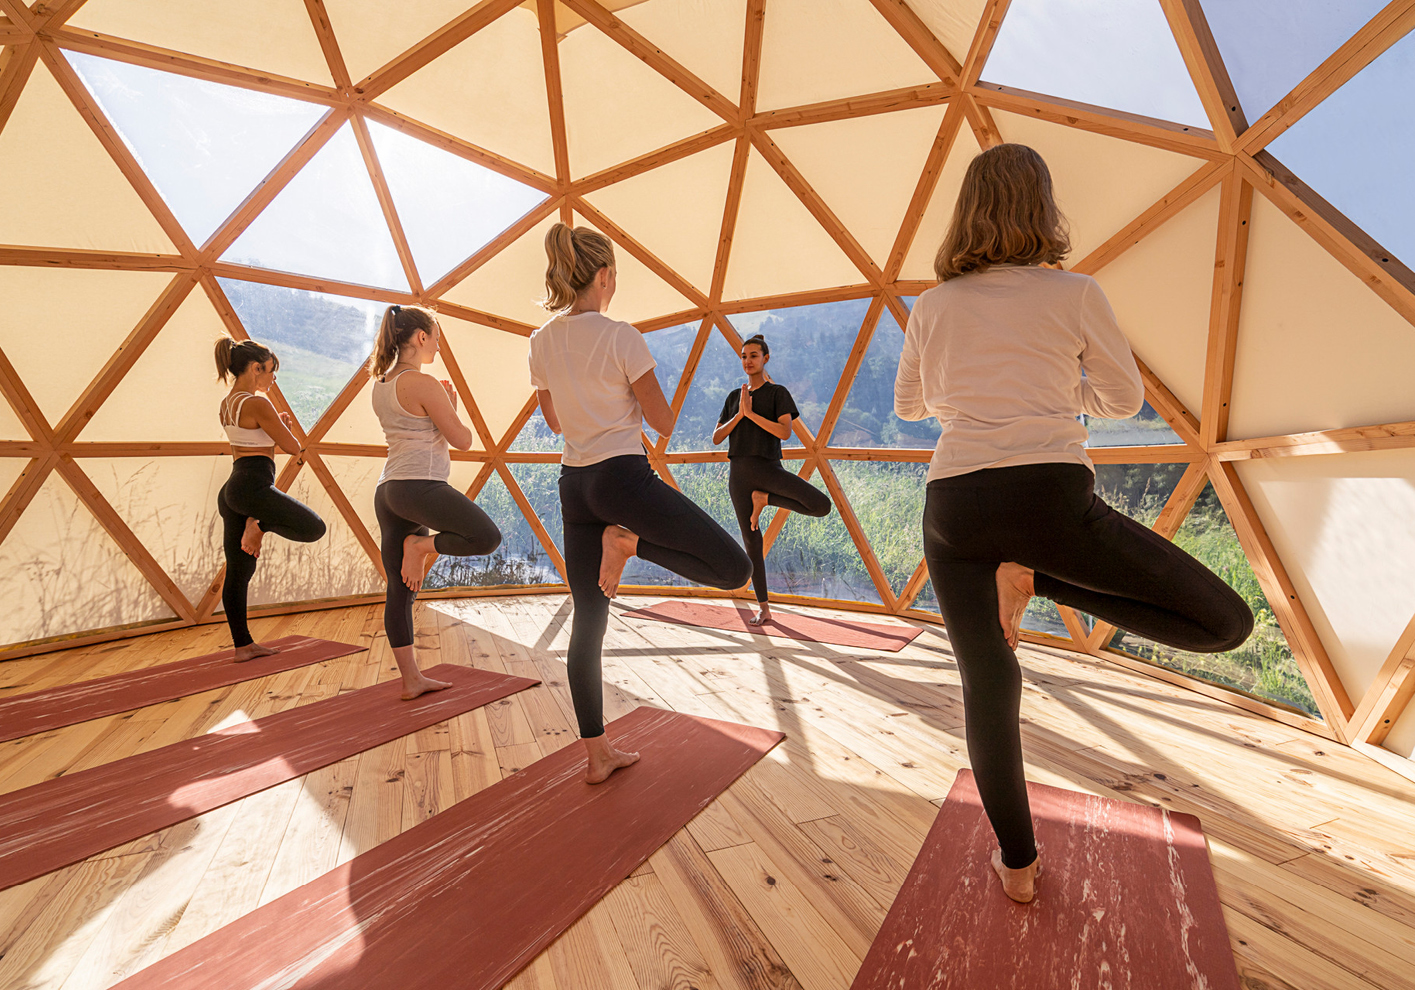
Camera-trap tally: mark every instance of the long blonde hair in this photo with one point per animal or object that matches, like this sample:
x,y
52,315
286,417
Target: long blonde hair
x,y
398,326
575,258
1006,214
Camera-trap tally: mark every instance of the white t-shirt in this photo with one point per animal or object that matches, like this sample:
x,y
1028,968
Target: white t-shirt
x,y
997,357
587,362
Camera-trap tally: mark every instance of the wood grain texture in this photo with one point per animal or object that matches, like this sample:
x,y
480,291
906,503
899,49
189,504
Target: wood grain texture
x,y
1127,900
472,895
60,822
40,711
839,632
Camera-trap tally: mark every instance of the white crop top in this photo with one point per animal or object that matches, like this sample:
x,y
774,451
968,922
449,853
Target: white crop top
x,y
417,450
239,436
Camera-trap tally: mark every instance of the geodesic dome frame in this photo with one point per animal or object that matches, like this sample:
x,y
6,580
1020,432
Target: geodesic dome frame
x,y
750,159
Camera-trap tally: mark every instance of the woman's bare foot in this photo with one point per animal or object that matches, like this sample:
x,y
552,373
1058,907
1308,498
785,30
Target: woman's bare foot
x,y
618,546
415,553
605,759
252,537
759,500
420,684
1014,590
763,615
252,650
1020,885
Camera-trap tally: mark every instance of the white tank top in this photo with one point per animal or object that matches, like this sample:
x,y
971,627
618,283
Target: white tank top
x,y
417,450
239,436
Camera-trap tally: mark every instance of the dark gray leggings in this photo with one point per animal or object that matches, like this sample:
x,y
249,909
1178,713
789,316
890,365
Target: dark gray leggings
x,y
785,490
408,508
1086,555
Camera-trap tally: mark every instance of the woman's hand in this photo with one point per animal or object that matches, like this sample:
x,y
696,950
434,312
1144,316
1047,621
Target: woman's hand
x,y
451,392
288,420
745,405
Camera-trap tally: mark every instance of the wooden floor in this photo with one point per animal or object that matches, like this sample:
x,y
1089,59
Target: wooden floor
x,y
781,883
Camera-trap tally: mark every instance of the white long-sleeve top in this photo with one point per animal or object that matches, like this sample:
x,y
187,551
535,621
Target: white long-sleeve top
x,y
1006,359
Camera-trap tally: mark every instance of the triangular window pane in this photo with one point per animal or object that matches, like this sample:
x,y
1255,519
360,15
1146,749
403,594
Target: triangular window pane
x,y
1140,491
809,348
1267,56
719,371
450,207
817,558
1355,149
326,223
536,436
1117,54
321,340
205,146
521,558
1145,429
926,600
540,483
868,418
670,348
888,499
1264,665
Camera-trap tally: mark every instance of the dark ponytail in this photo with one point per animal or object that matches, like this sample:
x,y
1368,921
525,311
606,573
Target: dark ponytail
x,y
760,341
233,357
398,326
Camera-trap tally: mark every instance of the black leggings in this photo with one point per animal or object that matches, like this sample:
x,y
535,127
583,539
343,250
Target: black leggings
x,y
784,489
250,493
673,533
1086,555
412,508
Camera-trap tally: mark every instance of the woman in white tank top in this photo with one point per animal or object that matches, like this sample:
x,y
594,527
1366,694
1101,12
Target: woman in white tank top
x,y
419,418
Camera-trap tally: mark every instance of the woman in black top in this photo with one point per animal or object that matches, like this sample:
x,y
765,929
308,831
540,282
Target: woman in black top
x,y
758,417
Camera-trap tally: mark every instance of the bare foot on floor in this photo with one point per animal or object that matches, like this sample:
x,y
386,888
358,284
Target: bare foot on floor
x,y
618,546
763,615
415,553
759,500
252,650
1014,590
420,685
1020,885
252,537
605,759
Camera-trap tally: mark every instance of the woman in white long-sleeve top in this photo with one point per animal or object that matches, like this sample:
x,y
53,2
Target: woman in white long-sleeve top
x,y
1005,353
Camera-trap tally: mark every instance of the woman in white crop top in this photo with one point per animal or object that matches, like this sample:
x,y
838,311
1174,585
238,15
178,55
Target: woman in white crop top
x,y
249,503
420,421
1005,354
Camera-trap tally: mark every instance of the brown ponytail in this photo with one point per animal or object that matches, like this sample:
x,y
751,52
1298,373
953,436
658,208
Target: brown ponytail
x,y
398,326
233,357
576,257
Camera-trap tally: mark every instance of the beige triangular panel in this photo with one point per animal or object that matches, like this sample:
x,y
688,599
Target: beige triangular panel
x,y
777,245
953,22
274,35
919,262
170,505
675,211
1161,291
1317,350
61,188
88,315
60,571
513,282
358,424
489,90
1102,183
357,478
332,567
372,33
866,168
641,294
10,426
703,36
494,365
617,108
818,50
1344,526
10,471
171,391
1402,734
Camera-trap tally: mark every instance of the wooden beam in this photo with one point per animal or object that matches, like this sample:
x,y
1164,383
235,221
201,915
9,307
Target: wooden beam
x,y
14,73
532,517
1394,21
1389,436
55,14
385,202
346,509
1230,261
17,393
23,491
148,448
435,45
517,424
329,45
18,13
809,297
989,25
643,254
653,159
1389,693
1164,453
670,320
502,323
495,246
685,379
917,36
953,119
1382,272
733,204
857,533
848,108
550,57
912,588
33,257
1164,402
850,371
910,455
1306,645
268,276
655,58
1205,64
752,57
454,145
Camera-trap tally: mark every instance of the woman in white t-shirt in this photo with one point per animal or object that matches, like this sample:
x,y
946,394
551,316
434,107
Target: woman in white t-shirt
x,y
1005,354
594,377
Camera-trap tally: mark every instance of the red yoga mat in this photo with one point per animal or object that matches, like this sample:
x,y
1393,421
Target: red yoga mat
x,y
470,896
1126,900
837,632
52,708
66,820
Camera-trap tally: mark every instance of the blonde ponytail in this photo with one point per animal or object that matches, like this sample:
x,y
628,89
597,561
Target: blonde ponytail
x,y
575,257
399,325
233,357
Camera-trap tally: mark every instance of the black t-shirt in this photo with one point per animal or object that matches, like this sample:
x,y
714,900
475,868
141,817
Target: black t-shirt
x,y
747,439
